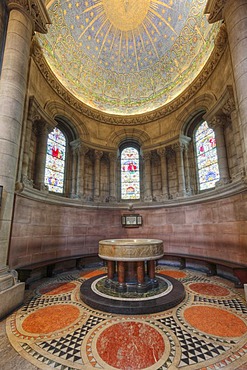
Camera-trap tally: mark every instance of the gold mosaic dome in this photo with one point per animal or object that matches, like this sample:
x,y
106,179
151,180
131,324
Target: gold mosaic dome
x,y
127,57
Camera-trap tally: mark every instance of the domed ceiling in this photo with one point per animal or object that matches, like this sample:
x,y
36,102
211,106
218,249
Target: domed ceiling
x,y
127,57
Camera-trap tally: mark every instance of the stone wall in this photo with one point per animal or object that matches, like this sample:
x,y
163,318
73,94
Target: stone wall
x,y
44,231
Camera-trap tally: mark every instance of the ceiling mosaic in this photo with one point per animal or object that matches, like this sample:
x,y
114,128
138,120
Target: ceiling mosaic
x,y
127,57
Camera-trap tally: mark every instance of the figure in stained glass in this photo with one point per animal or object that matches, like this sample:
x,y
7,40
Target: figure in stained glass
x,y
206,157
55,161
130,175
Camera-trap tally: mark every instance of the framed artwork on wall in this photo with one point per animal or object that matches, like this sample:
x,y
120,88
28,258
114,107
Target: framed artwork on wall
x,y
133,220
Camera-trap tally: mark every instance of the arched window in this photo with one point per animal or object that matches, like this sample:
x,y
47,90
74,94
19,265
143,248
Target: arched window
x,y
130,173
55,161
206,157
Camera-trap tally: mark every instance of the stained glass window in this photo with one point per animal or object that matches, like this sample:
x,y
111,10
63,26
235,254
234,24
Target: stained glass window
x,y
206,155
55,161
130,174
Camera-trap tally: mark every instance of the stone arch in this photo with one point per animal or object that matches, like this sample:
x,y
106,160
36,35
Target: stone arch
x,y
196,107
135,134
56,109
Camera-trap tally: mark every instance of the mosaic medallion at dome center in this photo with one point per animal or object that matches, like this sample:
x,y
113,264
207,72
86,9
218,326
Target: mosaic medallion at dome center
x,y
127,56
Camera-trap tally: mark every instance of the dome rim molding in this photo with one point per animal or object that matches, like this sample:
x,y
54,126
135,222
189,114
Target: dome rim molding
x,y
138,119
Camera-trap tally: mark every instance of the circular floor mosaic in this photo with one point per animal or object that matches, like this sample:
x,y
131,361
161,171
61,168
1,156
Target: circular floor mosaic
x,y
168,294
206,331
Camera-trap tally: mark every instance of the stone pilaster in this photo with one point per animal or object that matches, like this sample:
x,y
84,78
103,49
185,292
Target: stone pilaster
x,y
147,177
82,152
179,149
217,124
162,152
26,158
42,132
76,163
229,109
97,157
25,17
113,171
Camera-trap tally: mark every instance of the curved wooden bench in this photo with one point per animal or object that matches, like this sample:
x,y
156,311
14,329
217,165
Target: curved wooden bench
x,y
213,265
82,260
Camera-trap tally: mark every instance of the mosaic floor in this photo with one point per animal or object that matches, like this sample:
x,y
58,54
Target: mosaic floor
x,y
207,331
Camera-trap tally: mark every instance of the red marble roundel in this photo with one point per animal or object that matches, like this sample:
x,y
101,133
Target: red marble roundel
x,y
173,273
215,321
130,345
57,288
209,289
49,319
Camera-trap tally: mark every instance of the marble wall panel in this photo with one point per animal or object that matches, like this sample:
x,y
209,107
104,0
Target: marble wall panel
x,y
192,229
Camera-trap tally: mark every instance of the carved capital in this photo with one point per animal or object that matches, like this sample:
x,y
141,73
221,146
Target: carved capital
x,y
35,10
221,38
33,114
83,149
178,147
214,9
98,154
75,146
147,156
112,157
229,106
162,152
42,128
217,122
37,113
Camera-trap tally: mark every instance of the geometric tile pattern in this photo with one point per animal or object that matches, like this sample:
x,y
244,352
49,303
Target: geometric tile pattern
x,y
193,349
75,345
69,347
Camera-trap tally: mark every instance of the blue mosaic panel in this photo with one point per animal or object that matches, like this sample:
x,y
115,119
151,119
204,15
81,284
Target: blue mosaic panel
x,y
130,174
206,156
55,161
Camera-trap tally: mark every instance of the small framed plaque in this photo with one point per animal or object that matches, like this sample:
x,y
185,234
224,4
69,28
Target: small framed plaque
x,y
134,220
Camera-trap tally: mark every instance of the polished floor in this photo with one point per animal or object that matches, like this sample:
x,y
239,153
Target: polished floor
x,y
54,329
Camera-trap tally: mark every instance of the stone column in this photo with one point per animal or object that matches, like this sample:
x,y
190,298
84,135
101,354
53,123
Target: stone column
x,y
121,276
164,175
187,170
234,13
151,269
83,151
43,131
147,177
179,149
24,18
113,170
75,145
229,109
25,171
98,154
217,124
